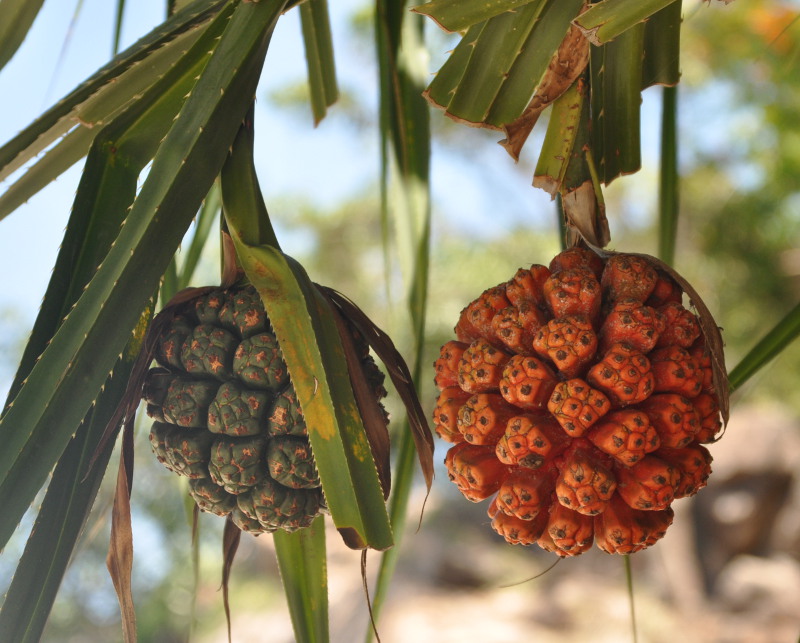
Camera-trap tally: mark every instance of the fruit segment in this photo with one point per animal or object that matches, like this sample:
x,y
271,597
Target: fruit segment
x,y
628,277
446,366
570,532
623,530
708,414
480,367
676,371
483,418
516,326
475,470
475,321
526,285
517,531
627,436
633,323
585,482
577,257
681,327
569,342
525,493
531,441
693,463
527,382
674,418
573,292
649,484
623,374
576,406
445,415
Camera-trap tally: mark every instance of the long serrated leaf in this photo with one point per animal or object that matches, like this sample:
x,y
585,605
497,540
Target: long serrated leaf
x,y
106,191
64,382
565,171
61,518
495,69
304,325
302,562
457,15
16,18
566,65
616,80
318,43
559,140
105,92
606,20
494,53
530,69
776,340
662,44
309,341
54,162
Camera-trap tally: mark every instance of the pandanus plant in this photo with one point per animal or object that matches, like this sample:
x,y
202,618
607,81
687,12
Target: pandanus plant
x,y
263,392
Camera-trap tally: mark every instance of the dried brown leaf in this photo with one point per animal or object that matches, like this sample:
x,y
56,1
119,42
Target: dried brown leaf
x,y
567,64
232,271
586,215
120,551
231,536
399,373
366,595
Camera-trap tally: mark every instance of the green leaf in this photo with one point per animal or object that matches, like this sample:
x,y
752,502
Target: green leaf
x,y
118,16
662,43
566,169
776,340
64,382
303,323
606,20
495,69
303,566
62,516
319,56
559,141
16,18
457,15
616,78
102,96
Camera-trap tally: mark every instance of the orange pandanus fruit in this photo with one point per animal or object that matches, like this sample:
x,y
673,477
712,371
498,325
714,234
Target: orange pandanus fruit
x,y
577,398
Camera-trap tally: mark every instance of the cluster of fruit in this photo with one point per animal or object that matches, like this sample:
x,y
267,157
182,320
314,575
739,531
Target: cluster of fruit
x,y
578,397
227,416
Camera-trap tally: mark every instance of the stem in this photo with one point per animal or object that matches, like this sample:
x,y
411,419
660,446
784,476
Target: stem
x,y
629,580
668,181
